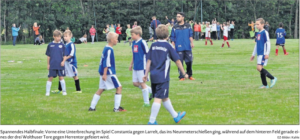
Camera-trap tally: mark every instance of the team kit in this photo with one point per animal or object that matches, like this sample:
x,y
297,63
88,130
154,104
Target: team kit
x,y
156,60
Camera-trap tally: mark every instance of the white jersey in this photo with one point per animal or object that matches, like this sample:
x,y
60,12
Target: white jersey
x,y
82,39
207,32
225,31
214,27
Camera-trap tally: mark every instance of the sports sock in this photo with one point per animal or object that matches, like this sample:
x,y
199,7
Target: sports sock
x,y
59,86
276,51
48,86
205,42
149,88
228,44
95,100
266,73
168,105
263,79
211,42
222,45
146,95
77,84
154,111
117,100
63,85
284,51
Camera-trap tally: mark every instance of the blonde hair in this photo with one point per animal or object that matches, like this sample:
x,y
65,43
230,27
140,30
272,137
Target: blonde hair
x,y
35,24
40,37
137,30
111,35
68,32
261,20
162,31
57,33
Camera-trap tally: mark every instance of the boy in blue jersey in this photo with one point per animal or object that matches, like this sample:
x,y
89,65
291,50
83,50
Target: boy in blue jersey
x,y
154,24
108,78
280,39
182,39
262,49
56,57
138,63
71,62
158,64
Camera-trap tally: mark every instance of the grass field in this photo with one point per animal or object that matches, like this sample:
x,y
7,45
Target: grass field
x,y
225,90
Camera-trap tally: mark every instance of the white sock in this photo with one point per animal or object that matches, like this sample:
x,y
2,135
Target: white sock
x,y
149,89
154,111
146,95
95,100
63,85
168,105
118,100
48,86
140,87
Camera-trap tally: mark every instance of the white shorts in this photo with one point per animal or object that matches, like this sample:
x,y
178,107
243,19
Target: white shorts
x,y
261,60
71,70
137,76
111,82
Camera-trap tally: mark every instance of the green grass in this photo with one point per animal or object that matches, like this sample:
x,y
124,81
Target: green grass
x,y
225,90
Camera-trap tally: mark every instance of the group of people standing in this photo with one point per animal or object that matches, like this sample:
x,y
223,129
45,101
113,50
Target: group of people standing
x,y
215,29
38,38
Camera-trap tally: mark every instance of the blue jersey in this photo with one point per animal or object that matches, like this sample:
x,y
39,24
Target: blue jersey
x,y
56,52
180,35
71,51
160,54
280,36
262,46
107,60
154,24
139,50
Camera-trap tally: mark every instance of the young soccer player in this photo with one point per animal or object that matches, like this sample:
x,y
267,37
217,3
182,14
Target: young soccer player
x,y
71,64
262,49
158,64
56,57
207,34
138,63
225,34
128,35
203,27
108,78
280,35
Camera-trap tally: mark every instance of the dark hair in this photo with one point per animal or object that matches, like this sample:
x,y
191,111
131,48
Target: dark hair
x,y
280,24
181,13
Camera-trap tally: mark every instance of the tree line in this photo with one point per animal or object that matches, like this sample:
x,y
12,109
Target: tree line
x,y
80,15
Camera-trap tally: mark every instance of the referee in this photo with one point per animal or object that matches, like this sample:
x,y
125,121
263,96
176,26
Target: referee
x,y
182,39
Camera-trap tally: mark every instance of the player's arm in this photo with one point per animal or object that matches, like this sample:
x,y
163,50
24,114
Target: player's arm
x,y
268,46
48,62
179,65
147,70
71,53
63,62
104,74
131,65
191,38
173,37
253,53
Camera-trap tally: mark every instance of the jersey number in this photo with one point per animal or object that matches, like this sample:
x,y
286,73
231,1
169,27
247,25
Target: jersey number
x,y
279,35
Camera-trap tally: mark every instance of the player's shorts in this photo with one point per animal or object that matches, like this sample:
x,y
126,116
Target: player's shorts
x,y
111,82
53,73
160,90
207,37
278,44
261,60
71,70
225,38
137,76
187,56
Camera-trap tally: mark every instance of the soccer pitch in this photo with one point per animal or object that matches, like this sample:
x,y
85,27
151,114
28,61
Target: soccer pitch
x,y
225,90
